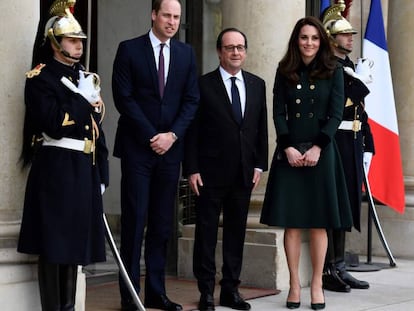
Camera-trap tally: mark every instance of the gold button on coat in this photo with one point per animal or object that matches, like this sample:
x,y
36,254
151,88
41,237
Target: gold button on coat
x,y
297,114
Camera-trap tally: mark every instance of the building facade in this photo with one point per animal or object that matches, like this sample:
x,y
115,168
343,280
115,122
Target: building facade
x,y
267,24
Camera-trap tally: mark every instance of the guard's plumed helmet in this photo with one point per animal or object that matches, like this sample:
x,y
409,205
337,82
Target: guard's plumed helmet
x,y
334,22
63,23
339,26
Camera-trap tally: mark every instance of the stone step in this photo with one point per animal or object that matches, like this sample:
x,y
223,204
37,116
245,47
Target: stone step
x,y
264,261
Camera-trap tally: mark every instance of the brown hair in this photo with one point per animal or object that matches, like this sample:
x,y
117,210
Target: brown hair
x,y
156,5
324,63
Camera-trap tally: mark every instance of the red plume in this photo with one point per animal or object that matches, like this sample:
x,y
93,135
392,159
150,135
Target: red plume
x,y
348,4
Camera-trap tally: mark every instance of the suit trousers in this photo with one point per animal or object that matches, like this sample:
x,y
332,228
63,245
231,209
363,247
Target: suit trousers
x,y
234,202
148,197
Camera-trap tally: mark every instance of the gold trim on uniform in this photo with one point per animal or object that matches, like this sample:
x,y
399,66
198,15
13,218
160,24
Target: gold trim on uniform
x,y
35,71
348,102
66,120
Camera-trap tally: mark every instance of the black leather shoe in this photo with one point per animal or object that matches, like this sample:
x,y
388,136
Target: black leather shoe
x,y
128,305
233,300
334,283
163,303
292,305
351,281
206,303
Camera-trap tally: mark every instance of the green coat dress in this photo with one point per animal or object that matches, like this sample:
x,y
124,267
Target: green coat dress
x,y
307,197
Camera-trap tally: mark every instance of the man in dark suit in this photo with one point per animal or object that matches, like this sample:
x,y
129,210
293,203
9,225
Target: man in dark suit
x,y
155,91
226,150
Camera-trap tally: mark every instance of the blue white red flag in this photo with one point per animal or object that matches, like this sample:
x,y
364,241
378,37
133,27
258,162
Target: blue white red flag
x,y
324,5
385,174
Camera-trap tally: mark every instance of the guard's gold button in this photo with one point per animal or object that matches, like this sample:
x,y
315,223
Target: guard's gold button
x,y
310,115
298,86
87,127
298,100
312,86
297,114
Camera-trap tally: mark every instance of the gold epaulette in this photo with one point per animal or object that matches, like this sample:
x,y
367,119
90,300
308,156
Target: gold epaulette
x,y
35,71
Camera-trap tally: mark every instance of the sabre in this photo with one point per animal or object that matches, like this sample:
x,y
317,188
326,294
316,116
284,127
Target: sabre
x,y
121,266
374,215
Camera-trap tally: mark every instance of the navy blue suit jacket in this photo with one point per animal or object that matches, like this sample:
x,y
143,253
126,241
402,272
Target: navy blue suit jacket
x,y
143,113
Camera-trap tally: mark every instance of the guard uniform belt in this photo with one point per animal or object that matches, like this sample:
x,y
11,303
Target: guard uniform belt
x,y
85,146
350,125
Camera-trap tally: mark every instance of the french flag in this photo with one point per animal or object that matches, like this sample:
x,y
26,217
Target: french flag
x,y
385,174
325,4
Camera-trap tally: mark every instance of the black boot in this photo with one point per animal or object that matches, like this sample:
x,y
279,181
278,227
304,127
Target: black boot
x,y
68,277
331,281
48,277
348,278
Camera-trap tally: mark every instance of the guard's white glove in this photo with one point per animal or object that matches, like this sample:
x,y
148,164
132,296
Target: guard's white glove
x,y
102,188
367,157
363,69
86,87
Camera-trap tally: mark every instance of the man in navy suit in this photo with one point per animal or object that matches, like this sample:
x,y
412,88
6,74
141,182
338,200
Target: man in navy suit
x,y
157,99
226,150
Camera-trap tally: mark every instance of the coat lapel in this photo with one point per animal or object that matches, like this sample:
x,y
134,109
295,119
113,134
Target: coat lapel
x,y
222,93
249,94
149,55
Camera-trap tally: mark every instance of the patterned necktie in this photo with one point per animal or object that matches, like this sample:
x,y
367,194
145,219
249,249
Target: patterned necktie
x,y
161,76
235,100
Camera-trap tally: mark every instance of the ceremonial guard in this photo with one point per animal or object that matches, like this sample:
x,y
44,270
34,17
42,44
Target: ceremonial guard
x,y
355,143
64,145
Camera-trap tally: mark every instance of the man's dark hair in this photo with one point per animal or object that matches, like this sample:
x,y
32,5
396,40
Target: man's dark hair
x,y
156,5
220,37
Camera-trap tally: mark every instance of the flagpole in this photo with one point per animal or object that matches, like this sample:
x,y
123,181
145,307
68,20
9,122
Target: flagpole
x,y
361,18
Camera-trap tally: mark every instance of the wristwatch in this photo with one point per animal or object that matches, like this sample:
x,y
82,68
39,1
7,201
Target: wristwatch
x,y
174,136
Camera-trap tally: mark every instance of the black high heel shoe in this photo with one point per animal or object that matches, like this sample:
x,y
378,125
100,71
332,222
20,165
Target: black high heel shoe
x,y
292,305
318,306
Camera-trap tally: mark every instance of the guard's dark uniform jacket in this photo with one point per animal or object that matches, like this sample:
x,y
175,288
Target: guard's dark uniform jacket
x,y
352,143
62,216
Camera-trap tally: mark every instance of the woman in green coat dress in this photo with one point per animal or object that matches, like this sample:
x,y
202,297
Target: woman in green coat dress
x,y
306,187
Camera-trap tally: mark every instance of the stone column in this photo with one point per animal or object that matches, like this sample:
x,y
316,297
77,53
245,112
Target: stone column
x,y
401,49
19,20
267,25
18,272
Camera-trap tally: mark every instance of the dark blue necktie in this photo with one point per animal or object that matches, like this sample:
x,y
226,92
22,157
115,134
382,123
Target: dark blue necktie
x,y
161,76
235,100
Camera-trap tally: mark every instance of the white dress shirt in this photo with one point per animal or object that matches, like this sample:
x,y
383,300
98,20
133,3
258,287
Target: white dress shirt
x,y
240,85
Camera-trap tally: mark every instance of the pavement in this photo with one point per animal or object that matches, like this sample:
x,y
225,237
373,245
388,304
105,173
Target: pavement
x,y
391,289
